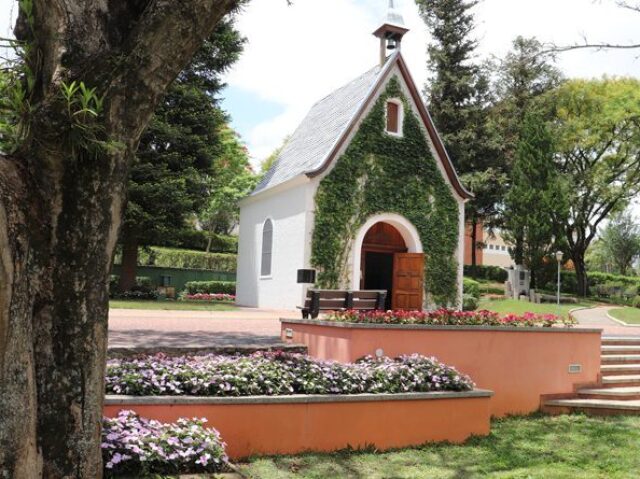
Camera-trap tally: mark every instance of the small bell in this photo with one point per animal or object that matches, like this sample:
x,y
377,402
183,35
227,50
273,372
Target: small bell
x,y
391,44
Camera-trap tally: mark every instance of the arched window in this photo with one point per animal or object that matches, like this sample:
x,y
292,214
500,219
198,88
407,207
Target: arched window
x,y
267,248
394,117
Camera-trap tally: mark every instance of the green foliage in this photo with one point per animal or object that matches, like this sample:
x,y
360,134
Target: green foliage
x,y
535,205
271,159
470,302
491,273
636,302
459,97
597,136
211,287
471,287
379,173
177,258
621,241
230,179
190,238
184,147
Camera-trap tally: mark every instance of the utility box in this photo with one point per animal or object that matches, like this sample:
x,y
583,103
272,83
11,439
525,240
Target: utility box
x,y
518,282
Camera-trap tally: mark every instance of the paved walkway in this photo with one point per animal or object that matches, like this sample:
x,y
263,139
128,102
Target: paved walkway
x,y
129,328
597,318
132,328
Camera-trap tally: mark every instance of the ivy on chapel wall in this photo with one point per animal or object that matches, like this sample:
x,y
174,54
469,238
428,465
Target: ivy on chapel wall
x,y
380,173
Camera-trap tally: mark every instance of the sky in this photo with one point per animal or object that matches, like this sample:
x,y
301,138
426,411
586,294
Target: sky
x,y
298,54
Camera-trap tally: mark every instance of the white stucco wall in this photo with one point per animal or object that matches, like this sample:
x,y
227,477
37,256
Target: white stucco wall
x,y
289,211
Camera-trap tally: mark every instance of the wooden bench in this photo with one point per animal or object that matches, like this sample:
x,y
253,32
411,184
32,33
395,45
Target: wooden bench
x,y
319,300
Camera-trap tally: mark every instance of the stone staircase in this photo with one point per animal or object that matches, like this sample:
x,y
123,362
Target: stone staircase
x,y
619,388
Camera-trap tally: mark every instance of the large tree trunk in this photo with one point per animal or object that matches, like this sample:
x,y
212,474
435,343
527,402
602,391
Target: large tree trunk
x,y
129,269
581,274
61,204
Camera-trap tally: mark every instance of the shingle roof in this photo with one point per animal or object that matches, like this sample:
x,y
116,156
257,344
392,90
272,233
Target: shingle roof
x,y
315,137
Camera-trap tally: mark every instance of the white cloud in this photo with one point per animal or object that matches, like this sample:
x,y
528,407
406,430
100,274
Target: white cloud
x,y
298,54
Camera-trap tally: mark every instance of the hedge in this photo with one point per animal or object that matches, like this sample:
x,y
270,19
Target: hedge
x,y
184,258
211,287
491,273
198,240
599,283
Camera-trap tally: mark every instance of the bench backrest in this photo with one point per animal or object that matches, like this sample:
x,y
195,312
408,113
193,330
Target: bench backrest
x,y
331,299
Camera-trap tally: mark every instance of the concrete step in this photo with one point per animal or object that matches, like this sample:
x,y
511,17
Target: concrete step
x,y
618,369
621,379
620,358
622,393
620,349
621,340
599,407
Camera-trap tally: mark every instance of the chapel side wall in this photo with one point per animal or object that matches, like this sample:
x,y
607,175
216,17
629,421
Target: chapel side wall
x,y
288,211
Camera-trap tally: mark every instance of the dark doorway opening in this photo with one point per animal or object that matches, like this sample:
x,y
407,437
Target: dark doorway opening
x,y
379,273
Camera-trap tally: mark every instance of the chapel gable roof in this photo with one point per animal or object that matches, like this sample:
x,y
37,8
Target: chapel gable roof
x,y
315,142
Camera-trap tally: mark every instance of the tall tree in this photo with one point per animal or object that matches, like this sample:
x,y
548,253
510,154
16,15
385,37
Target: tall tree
x,y
524,74
168,183
459,98
451,87
230,180
597,130
535,205
93,76
621,241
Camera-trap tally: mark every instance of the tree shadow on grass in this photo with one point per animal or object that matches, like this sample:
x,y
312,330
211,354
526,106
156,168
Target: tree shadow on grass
x,y
534,446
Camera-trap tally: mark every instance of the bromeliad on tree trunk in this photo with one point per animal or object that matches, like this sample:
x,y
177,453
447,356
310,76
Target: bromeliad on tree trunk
x,y
62,191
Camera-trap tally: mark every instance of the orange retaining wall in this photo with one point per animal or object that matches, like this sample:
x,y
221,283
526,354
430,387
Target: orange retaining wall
x,y
518,364
293,424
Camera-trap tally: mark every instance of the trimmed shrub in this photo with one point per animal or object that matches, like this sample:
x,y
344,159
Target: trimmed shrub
x,y
133,446
449,317
198,240
488,289
491,273
213,298
211,287
471,287
179,258
469,302
143,289
636,302
277,374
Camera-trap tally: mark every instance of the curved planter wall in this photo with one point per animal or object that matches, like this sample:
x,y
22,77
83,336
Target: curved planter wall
x,y
518,364
259,425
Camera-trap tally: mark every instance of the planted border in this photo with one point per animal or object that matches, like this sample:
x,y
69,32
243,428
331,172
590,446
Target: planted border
x,y
277,374
449,317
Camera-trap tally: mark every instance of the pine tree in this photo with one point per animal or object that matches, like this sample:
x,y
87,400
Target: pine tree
x,y
460,98
169,181
536,205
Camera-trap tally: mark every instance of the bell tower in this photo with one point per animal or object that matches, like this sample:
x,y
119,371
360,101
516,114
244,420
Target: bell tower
x,y
391,31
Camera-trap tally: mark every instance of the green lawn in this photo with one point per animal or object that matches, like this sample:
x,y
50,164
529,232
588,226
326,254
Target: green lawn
x,y
628,315
172,305
505,306
559,447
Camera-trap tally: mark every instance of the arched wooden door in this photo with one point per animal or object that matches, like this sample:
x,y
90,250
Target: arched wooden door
x,y
385,264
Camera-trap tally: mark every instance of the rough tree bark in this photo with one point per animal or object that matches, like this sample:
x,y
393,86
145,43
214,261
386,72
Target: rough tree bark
x,y
60,211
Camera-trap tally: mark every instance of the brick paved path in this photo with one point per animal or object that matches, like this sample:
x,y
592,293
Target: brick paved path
x,y
200,329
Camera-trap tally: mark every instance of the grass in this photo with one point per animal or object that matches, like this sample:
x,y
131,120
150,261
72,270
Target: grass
x,y
505,306
172,305
570,447
628,315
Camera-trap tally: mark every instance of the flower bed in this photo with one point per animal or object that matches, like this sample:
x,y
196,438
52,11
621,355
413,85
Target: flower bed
x,y
209,297
274,374
448,317
135,446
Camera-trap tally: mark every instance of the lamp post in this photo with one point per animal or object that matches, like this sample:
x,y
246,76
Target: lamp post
x,y
559,256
